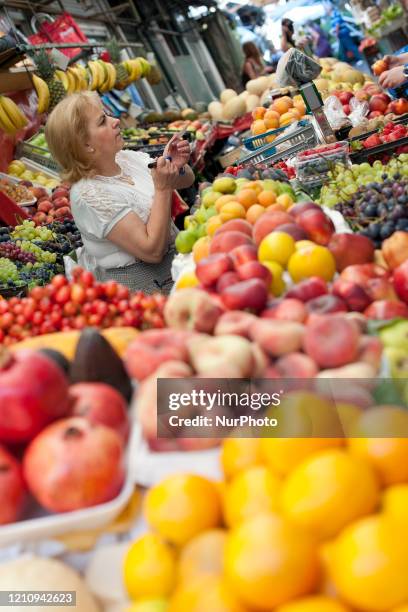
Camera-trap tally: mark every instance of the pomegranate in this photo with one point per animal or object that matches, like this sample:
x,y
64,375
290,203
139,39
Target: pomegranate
x,y
12,489
74,464
33,392
100,403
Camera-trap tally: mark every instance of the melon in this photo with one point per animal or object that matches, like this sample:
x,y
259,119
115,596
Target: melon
x,y
216,109
234,108
244,95
252,102
353,76
258,86
321,84
227,95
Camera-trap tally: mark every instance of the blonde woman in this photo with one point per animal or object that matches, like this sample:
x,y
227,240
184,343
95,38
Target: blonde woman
x,y
121,207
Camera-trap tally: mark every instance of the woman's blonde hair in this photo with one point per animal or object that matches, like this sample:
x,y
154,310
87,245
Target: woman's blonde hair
x,y
66,132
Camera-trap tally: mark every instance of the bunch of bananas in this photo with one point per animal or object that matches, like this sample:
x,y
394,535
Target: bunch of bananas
x,y
102,75
12,118
74,79
43,94
137,68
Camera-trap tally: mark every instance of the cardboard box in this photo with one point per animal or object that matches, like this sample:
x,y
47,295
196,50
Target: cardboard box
x,y
15,79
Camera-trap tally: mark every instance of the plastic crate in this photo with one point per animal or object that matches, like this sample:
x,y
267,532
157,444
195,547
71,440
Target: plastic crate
x,y
255,142
303,137
317,163
36,154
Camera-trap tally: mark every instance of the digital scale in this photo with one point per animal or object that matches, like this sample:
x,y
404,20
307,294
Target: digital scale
x,y
314,103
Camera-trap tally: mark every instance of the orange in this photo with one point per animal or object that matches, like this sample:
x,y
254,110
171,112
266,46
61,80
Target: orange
x,y
300,106
271,119
350,486
254,212
205,594
213,224
258,127
182,506
312,261
149,568
315,603
247,197
295,112
258,112
269,561
255,185
202,555
201,248
286,119
253,491
265,198
285,200
388,455
368,565
276,246
224,199
188,279
232,210
282,105
238,454
277,286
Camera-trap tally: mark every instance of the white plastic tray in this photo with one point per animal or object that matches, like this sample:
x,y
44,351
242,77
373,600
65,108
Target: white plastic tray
x,y
45,526
14,179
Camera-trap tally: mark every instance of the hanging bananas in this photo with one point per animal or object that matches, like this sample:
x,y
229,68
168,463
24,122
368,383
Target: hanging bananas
x,y
61,76
12,118
43,94
97,75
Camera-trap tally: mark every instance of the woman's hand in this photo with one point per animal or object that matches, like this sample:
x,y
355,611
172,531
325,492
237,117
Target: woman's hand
x,y
165,175
392,78
178,150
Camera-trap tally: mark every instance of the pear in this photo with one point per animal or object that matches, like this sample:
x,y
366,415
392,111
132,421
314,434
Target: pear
x,y
396,336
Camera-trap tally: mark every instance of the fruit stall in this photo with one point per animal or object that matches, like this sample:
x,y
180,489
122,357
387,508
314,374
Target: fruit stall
x,y
291,272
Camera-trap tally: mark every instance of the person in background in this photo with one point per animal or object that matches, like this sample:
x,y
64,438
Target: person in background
x,y
253,64
348,38
321,44
121,207
288,33
397,73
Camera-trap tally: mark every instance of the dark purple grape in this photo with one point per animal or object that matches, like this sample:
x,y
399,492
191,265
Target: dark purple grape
x,y
387,230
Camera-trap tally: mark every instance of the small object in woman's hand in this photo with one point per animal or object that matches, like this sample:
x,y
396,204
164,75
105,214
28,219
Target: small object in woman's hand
x,y
152,164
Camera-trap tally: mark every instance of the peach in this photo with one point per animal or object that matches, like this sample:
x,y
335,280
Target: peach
x,y
254,269
236,225
296,365
289,309
386,309
360,273
300,207
293,230
235,322
251,294
353,295
370,351
225,280
152,348
267,223
357,369
308,289
191,309
243,254
254,212
394,249
261,361
226,241
317,226
331,341
232,210
351,249
277,337
358,319
380,289
209,269
210,354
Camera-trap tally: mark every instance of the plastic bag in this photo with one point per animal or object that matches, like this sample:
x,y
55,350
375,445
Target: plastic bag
x,y
335,114
295,68
359,111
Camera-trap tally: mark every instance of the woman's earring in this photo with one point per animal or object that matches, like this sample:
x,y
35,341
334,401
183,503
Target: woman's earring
x,y
92,150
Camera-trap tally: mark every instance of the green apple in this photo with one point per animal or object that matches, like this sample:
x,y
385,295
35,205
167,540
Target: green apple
x,y
190,222
286,188
270,185
201,231
210,212
396,336
210,198
199,215
185,240
224,184
206,190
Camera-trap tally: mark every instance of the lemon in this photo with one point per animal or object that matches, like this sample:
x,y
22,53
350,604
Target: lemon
x,y
328,491
253,491
149,568
181,506
276,246
368,565
269,561
188,279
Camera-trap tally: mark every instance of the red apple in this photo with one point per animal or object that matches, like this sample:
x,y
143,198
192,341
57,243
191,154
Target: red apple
x,y
346,109
345,97
60,202
351,249
376,103
100,404
301,207
399,107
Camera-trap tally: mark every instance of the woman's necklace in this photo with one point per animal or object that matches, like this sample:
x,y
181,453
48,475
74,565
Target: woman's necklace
x,y
126,179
